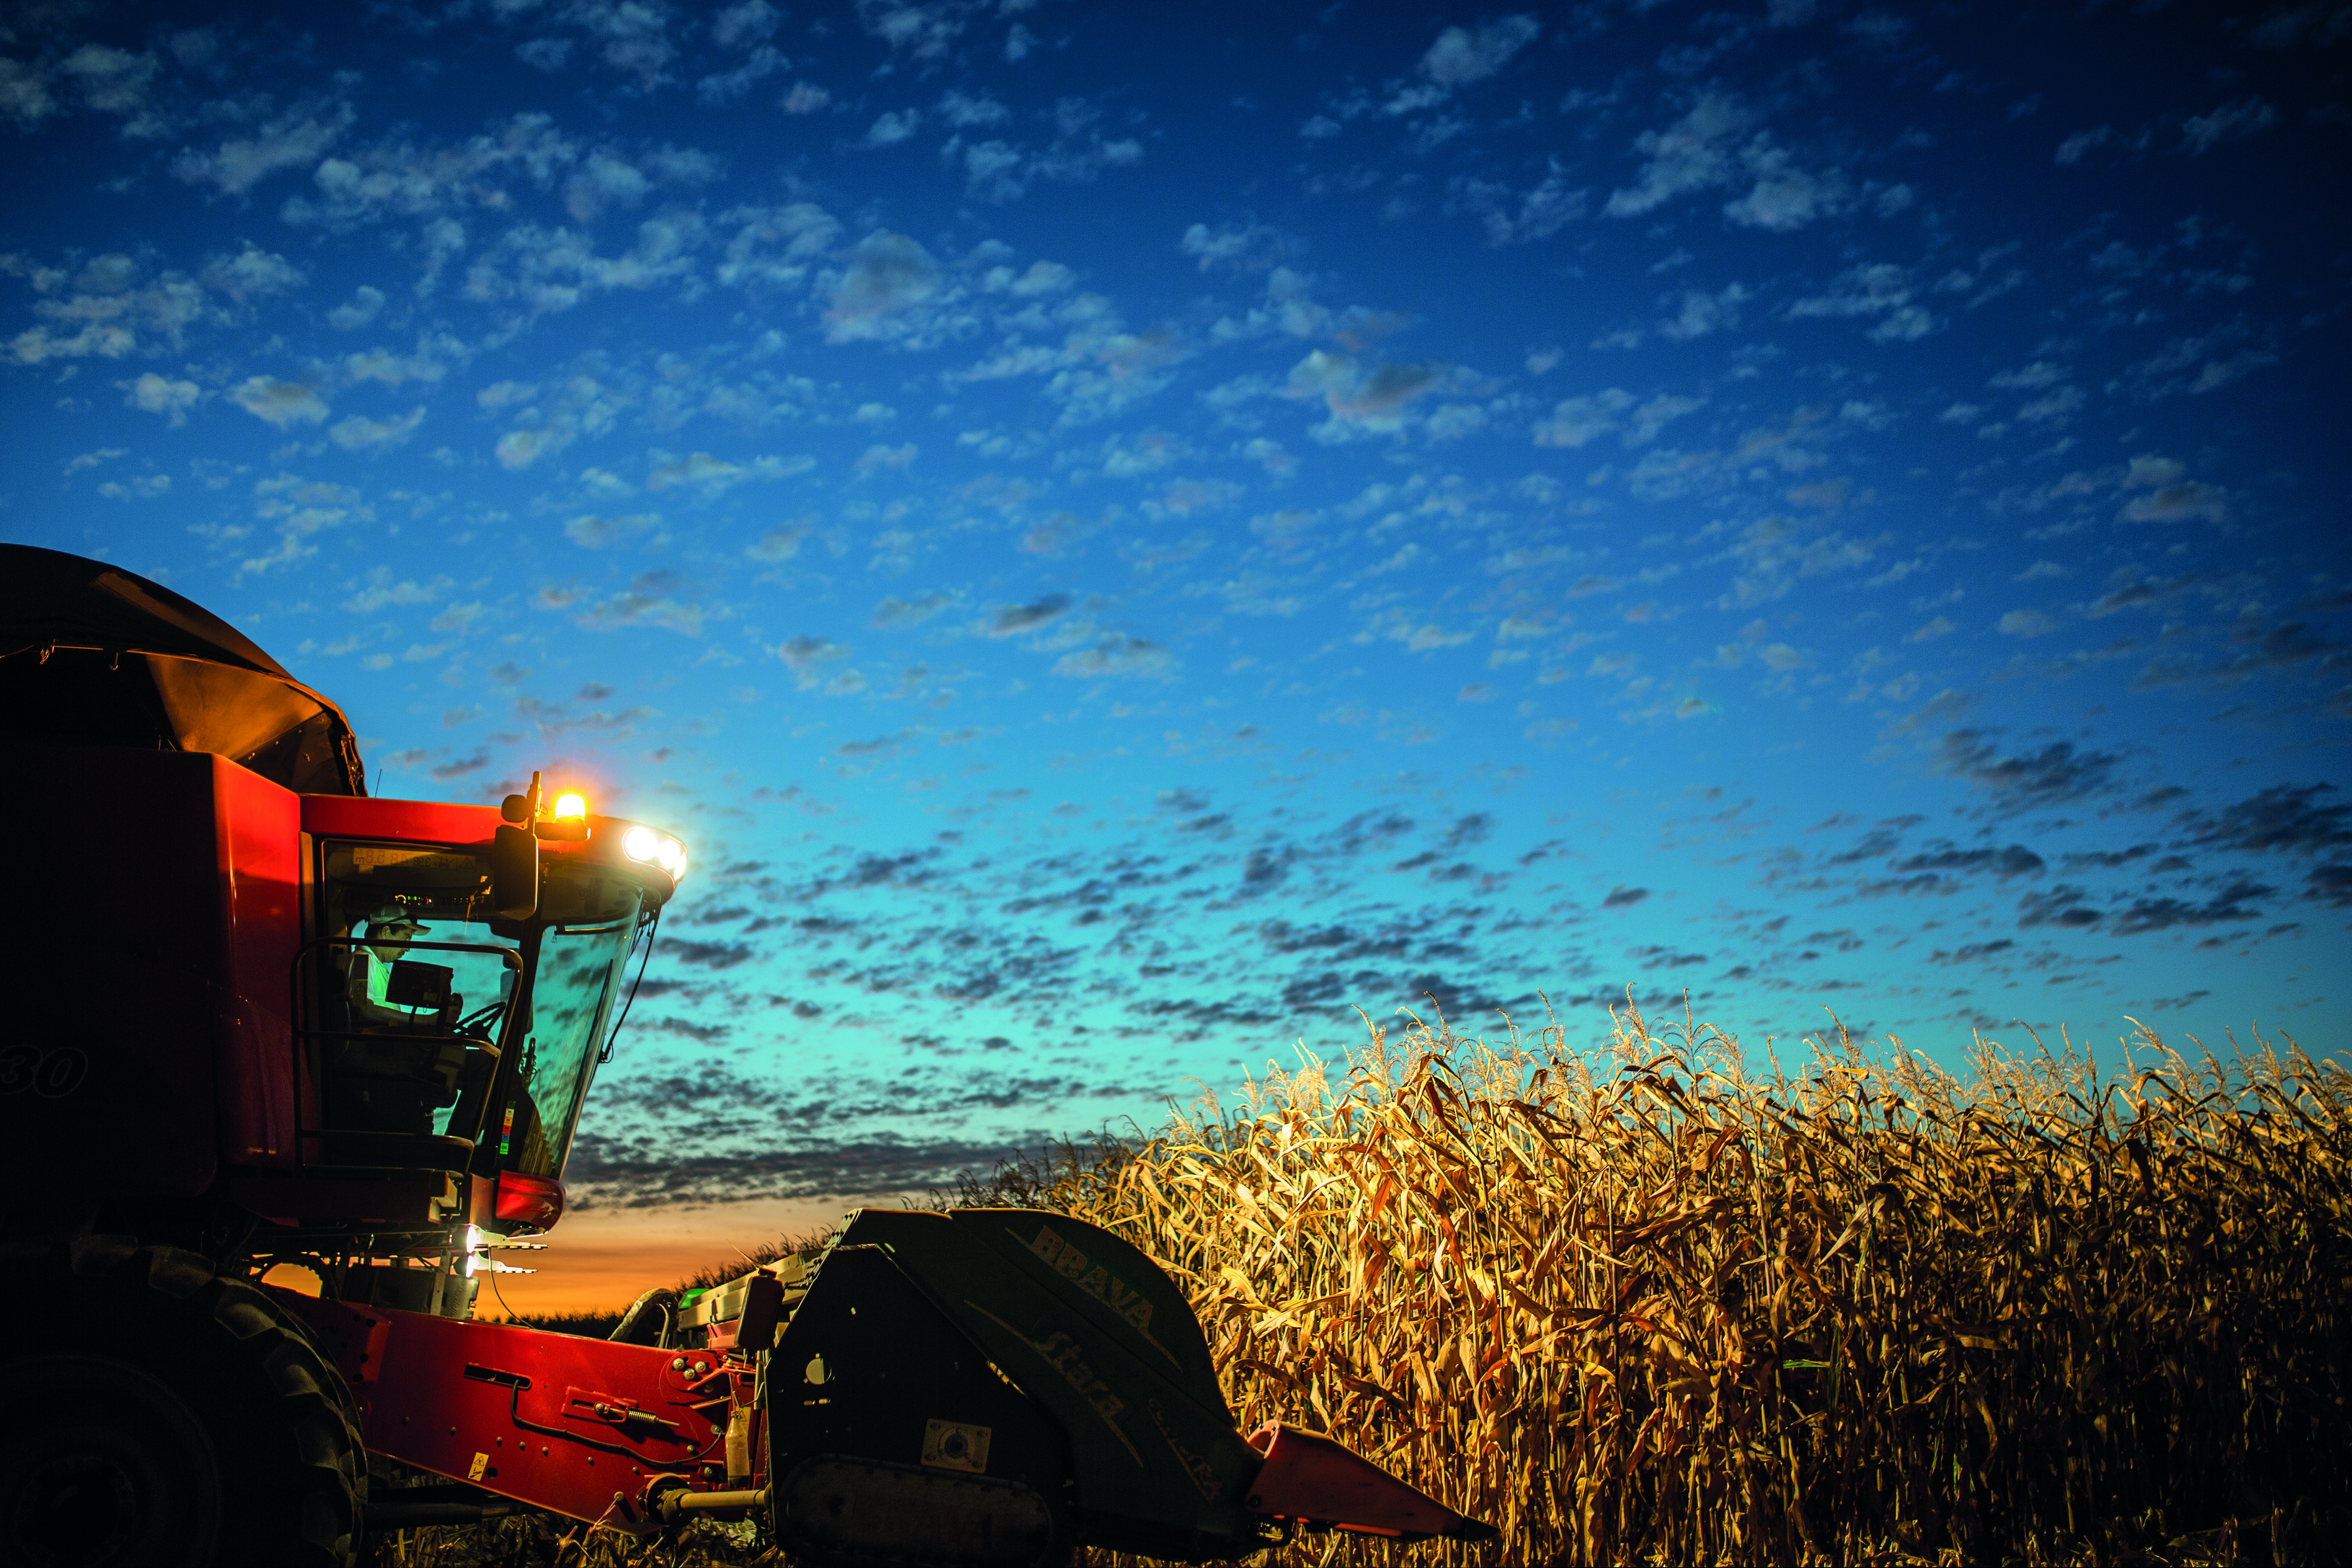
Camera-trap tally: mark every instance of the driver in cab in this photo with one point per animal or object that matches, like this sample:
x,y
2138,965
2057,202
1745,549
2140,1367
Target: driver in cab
x,y
388,988
404,1067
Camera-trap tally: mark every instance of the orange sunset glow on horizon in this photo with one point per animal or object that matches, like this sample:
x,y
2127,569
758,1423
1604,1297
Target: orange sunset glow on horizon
x,y
600,1259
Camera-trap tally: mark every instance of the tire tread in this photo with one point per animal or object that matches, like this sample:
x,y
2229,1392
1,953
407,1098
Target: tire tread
x,y
162,1294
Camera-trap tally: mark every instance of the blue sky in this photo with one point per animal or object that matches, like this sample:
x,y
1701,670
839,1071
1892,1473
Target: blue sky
x,y
1123,534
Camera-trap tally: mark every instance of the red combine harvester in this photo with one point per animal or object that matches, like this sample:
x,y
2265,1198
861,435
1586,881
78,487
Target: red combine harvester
x,y
255,1016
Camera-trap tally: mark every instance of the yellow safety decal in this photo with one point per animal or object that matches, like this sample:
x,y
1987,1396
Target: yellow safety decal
x,y
474,1471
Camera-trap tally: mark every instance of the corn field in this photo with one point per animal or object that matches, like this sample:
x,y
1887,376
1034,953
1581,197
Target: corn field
x,y
1646,1305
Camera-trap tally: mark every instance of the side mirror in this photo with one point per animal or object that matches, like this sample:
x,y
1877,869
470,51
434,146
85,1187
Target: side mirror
x,y
514,873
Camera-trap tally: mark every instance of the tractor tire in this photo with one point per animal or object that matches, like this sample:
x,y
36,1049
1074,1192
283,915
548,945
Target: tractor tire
x,y
169,1418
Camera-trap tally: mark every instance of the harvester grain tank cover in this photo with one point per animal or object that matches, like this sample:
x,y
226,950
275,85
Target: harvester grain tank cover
x,y
90,654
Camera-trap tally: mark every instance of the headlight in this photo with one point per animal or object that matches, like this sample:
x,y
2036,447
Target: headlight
x,y
474,1249
642,845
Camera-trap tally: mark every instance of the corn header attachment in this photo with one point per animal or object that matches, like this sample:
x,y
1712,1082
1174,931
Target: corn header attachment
x,y
981,1389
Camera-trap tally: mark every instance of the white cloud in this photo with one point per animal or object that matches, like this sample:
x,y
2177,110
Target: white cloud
x,y
1455,419
1271,455
2027,623
506,394
2081,144
1540,212
880,456
2053,407
2171,498
296,137
894,127
714,475
160,394
356,433
111,80
1462,56
1042,277
398,177
807,656
894,613
1784,197
778,544
1702,314
1118,657
1775,552
104,310
1645,422
1880,290
24,96
634,35
299,510
923,30
253,273
750,21
145,487
1233,245
963,110
1000,171
1686,156
1125,457
2230,123
603,532
695,469
545,269
284,404
2209,354
775,246
1576,420
39,344
520,448
805,98
380,589
888,276
1361,399
2040,373
357,312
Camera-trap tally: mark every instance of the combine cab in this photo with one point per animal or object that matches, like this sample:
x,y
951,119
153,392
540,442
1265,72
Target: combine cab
x,y
256,1016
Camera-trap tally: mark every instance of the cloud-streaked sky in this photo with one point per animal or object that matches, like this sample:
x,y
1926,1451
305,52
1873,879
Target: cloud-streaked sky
x,y
1122,534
